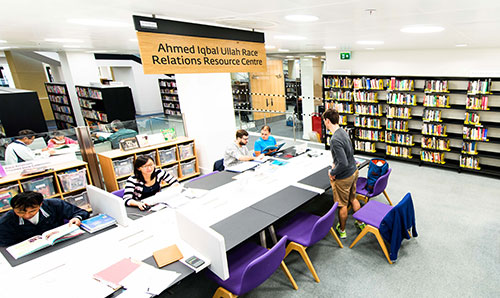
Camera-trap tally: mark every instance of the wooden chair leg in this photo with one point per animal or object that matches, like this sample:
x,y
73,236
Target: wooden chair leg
x,y
223,293
302,251
287,273
382,245
387,197
336,237
362,198
361,235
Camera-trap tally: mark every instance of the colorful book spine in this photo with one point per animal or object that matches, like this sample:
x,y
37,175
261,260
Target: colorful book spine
x,y
397,125
437,101
479,86
435,143
471,118
436,86
399,138
362,96
475,133
397,151
434,129
363,121
371,109
471,162
369,135
469,148
401,85
434,157
402,99
364,146
432,115
399,112
477,103
340,95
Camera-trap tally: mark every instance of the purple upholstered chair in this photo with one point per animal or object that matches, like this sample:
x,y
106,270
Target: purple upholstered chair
x,y
304,230
249,266
378,188
387,222
119,192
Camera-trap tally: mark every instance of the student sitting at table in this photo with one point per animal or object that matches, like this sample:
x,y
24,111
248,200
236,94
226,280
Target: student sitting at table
x,y
145,182
31,215
238,152
264,141
58,140
119,133
18,151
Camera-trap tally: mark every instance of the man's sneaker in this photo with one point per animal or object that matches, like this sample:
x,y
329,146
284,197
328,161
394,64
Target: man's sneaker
x,y
359,225
342,234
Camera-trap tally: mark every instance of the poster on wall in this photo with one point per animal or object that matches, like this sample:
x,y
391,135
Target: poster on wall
x,y
178,47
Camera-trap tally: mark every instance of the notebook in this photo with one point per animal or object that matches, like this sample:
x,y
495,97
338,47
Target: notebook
x,y
114,274
167,255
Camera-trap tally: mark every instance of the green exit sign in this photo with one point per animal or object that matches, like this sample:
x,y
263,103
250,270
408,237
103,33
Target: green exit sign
x,y
345,56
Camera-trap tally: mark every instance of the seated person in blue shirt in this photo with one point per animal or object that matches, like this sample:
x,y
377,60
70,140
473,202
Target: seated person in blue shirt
x,y
145,182
119,133
264,141
31,215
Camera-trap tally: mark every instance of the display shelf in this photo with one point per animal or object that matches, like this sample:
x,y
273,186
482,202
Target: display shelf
x,y
169,95
60,104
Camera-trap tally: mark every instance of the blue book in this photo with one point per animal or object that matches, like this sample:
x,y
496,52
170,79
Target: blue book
x,y
97,223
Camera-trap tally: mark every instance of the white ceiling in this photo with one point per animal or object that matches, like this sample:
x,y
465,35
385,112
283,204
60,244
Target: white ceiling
x,y
25,24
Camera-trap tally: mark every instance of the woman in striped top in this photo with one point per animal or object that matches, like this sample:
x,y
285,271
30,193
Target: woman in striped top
x,y
145,182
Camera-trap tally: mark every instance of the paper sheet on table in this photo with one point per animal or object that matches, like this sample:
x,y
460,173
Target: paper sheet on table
x,y
148,279
194,193
242,167
170,196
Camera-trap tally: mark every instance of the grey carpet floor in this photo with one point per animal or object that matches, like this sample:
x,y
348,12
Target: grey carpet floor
x,y
457,252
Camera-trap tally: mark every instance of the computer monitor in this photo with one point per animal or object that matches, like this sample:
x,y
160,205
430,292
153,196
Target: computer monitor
x,y
107,203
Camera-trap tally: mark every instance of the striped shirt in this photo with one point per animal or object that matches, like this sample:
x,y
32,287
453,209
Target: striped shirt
x,y
134,188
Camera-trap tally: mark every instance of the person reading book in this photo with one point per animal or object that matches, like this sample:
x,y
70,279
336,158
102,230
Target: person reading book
x,y
145,182
31,215
59,140
237,152
265,141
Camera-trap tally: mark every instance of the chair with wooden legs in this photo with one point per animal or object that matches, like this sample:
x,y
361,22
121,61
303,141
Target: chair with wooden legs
x,y
389,223
249,266
365,195
304,230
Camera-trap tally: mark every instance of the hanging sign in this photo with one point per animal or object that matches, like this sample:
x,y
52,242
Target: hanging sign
x,y
177,47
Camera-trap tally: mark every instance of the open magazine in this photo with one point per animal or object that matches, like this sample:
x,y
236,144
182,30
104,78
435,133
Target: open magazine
x,y
47,239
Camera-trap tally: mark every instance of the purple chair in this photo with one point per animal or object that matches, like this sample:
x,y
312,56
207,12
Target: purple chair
x,y
304,230
377,215
249,266
119,192
378,188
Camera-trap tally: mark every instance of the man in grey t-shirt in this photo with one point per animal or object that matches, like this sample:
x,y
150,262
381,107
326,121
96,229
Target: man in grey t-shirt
x,y
344,173
238,152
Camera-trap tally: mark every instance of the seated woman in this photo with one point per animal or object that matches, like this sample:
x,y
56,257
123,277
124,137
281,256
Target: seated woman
x,y
145,182
58,139
264,141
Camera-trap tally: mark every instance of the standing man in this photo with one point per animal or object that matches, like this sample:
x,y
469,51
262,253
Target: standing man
x,y
238,152
344,173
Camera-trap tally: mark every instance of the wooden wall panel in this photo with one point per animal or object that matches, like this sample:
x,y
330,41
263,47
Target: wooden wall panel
x,y
270,82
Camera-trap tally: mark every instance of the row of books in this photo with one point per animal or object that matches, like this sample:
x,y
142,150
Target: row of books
x,y
343,119
64,117
434,129
397,125
471,162
372,109
371,135
476,103
341,107
342,95
479,86
56,89
432,115
168,91
435,157
61,109
337,82
471,118
63,99
88,92
476,133
169,84
362,121
402,99
364,146
436,86
95,115
367,83
399,138
399,112
403,85
169,98
170,105
435,143
469,147
398,151
363,96
438,101
86,103
172,112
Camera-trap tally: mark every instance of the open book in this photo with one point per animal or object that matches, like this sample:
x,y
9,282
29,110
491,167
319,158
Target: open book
x,y
273,148
47,239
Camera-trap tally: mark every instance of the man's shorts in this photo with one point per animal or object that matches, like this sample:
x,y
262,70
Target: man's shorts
x,y
344,190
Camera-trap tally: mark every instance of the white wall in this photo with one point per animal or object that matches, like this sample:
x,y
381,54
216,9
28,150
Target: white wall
x,y
146,90
207,103
453,62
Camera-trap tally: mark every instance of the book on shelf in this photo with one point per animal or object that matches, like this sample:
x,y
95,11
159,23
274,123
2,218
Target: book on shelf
x,y
97,223
47,239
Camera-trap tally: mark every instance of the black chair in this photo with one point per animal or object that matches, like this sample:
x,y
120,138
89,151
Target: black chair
x,y
219,165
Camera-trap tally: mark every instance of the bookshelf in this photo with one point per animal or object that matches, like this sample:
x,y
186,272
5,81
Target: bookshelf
x,y
101,105
293,89
242,99
169,96
61,105
52,183
177,156
447,122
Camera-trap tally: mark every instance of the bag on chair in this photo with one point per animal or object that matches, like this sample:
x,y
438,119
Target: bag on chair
x,y
376,168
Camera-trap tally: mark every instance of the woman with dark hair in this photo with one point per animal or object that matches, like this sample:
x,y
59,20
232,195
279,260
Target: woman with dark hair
x,y
145,182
